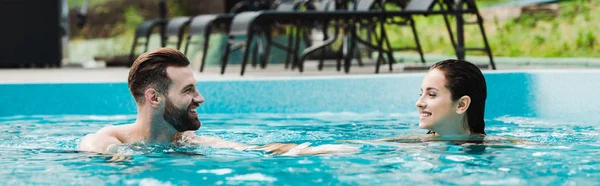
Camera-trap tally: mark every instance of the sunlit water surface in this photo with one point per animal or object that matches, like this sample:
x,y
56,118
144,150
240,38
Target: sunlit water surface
x,y
43,150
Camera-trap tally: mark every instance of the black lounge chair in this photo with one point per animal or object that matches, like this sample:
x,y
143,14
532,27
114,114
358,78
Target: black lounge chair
x,y
247,24
460,8
239,28
143,31
371,26
291,49
324,6
205,25
414,5
175,28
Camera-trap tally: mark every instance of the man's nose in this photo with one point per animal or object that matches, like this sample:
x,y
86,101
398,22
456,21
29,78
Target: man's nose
x,y
198,98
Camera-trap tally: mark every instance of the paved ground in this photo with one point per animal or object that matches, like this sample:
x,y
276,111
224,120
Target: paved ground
x,y
119,74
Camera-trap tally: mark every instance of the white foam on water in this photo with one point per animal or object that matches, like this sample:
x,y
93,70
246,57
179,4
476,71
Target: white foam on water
x,y
459,158
215,171
509,181
532,121
252,177
148,182
504,169
304,162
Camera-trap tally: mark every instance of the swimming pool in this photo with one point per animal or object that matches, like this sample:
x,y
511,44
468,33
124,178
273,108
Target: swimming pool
x,y
41,125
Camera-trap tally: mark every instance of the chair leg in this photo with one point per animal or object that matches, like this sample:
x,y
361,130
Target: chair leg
x,y
390,51
132,53
417,42
147,43
485,41
225,56
450,32
350,51
340,53
460,34
255,51
267,50
370,40
187,44
323,50
205,50
356,51
357,54
379,40
296,50
378,62
290,48
185,51
246,51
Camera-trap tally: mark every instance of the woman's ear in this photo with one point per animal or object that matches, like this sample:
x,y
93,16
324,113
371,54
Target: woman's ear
x,y
463,104
151,97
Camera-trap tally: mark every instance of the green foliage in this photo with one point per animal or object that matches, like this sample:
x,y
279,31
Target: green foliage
x,y
586,39
539,39
572,33
132,18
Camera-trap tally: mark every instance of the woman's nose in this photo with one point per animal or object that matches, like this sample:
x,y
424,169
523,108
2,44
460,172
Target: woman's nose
x,y
420,103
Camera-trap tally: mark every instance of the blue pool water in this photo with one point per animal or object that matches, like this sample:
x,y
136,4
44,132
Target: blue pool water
x,y
557,111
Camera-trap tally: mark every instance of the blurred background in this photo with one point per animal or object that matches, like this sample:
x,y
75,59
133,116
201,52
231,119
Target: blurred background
x,y
93,32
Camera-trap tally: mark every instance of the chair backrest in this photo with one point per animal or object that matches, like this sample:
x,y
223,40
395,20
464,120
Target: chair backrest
x,y
175,25
241,21
199,24
287,6
362,5
419,5
326,5
144,29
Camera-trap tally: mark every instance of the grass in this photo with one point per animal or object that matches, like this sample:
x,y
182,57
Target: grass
x,y
78,3
571,34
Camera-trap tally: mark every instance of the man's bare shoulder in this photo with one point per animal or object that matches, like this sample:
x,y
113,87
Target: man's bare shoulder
x,y
102,139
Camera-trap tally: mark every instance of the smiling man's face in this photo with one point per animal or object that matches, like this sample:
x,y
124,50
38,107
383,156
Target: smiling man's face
x,y
182,100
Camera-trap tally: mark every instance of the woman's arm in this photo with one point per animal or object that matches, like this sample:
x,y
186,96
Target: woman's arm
x,y
274,148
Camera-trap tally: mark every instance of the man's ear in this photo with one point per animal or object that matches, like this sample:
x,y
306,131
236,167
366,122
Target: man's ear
x,y
463,104
151,97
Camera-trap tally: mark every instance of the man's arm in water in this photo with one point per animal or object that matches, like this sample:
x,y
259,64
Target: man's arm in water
x,y
99,141
274,148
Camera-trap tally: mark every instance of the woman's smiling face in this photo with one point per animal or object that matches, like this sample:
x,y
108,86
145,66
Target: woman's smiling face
x,y
436,107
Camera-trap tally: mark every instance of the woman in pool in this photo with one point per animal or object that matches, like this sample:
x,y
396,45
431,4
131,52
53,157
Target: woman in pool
x,y
452,100
451,104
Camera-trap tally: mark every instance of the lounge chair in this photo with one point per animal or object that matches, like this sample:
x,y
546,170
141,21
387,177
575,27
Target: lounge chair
x,y
205,25
143,31
175,28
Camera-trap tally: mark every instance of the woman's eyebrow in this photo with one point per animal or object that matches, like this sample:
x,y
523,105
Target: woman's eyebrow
x,y
431,88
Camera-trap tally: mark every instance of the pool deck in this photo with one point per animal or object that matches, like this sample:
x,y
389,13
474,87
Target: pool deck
x,y
273,71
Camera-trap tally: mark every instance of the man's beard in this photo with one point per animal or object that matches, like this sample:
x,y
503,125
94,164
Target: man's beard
x,y
180,119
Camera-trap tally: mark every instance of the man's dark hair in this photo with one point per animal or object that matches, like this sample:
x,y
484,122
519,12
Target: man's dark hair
x,y
150,71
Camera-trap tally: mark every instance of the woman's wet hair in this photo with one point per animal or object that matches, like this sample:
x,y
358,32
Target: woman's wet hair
x,y
465,79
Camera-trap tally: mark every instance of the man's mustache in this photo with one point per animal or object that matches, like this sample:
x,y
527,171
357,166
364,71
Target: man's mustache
x,y
194,104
